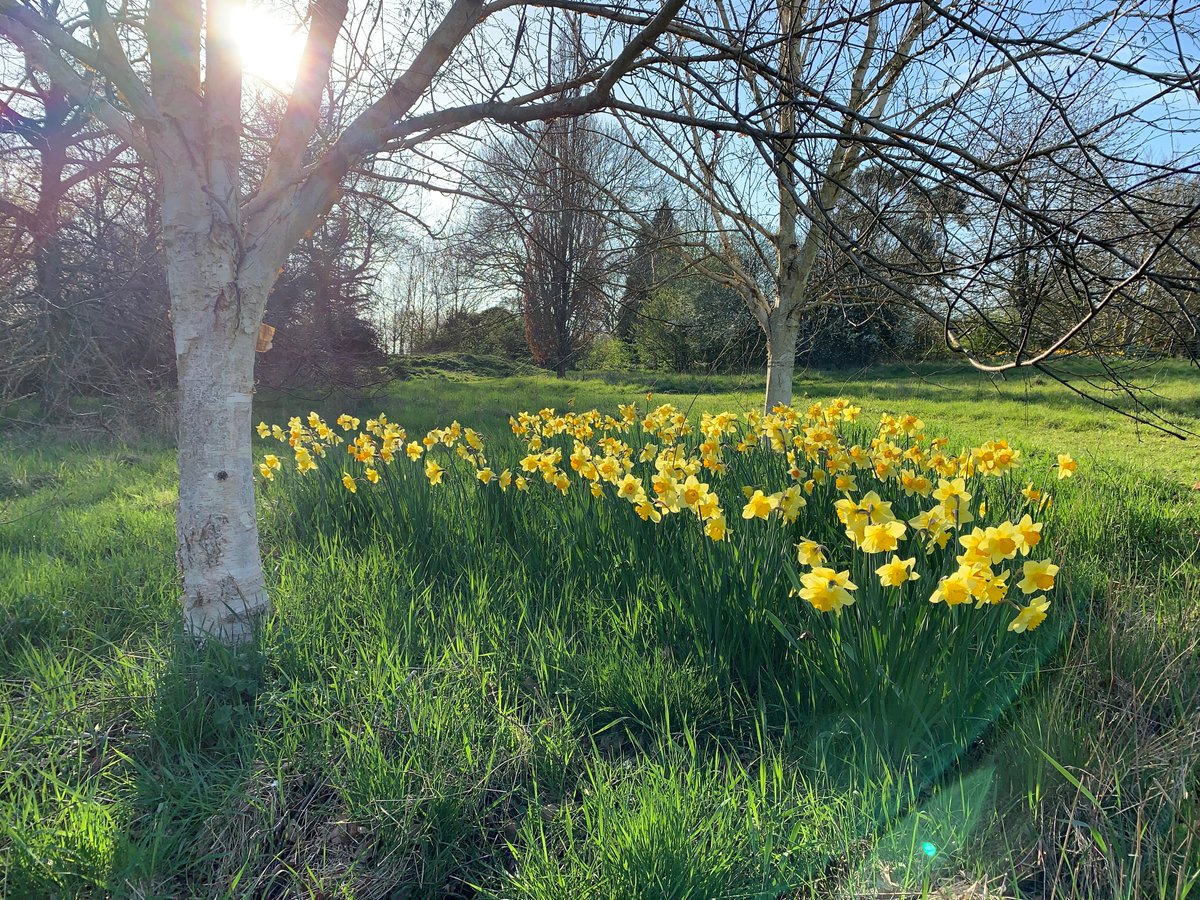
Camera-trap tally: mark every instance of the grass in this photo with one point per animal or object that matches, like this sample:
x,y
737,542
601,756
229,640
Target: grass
x,y
468,699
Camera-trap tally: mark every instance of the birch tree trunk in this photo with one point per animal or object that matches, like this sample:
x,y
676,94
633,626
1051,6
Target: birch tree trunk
x,y
782,333
223,592
216,527
218,295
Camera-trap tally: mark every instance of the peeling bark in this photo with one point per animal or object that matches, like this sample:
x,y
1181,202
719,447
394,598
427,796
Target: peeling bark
x,y
223,590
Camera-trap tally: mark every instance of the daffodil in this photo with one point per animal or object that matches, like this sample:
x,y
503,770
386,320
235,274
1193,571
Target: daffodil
x,y
350,484
951,488
827,590
1031,616
809,553
973,547
647,511
791,501
715,528
913,483
759,506
882,538
814,456
630,488
992,589
955,498
304,460
1039,576
897,571
1030,532
692,492
1002,542
1066,465
956,588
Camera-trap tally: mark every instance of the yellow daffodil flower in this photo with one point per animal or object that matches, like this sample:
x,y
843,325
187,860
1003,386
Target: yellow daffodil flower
x,y
897,571
1066,466
1039,576
648,512
956,588
809,553
1031,616
827,590
715,528
759,506
882,538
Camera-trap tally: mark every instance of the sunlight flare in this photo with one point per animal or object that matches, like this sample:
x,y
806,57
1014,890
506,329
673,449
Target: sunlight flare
x,y
270,42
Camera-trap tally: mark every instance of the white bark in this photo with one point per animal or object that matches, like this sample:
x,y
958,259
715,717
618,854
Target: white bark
x,y
781,333
218,295
223,590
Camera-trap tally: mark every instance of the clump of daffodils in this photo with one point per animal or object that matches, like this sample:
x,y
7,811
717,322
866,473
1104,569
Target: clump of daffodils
x,y
662,464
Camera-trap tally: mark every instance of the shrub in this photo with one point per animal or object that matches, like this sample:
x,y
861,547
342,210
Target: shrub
x,y
607,354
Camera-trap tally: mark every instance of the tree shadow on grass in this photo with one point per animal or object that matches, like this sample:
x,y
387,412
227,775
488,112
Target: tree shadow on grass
x,y
250,782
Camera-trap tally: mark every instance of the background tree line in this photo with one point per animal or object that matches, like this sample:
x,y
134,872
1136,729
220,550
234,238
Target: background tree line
x,y
570,253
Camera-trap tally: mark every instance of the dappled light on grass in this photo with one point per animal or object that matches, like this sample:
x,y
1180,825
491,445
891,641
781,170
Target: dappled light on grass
x,y
926,841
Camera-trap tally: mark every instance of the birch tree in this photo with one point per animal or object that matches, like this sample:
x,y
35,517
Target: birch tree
x,y
930,92
168,82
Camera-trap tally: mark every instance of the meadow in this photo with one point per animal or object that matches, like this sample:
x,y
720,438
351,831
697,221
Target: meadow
x,y
464,692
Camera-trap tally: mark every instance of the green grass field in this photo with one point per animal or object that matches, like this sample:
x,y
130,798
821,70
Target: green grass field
x,y
462,698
